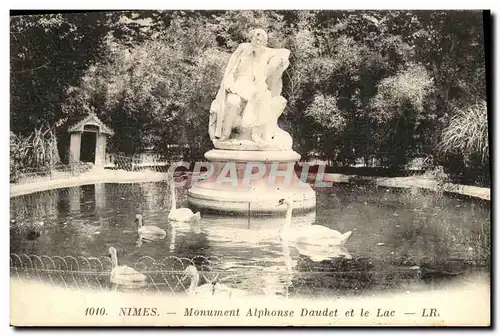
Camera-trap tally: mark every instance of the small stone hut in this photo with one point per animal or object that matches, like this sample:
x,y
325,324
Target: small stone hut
x,y
87,139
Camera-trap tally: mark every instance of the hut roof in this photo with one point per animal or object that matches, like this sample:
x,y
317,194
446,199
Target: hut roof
x,y
78,122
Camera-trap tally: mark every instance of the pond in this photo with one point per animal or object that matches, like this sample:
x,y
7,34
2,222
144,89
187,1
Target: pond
x,y
403,240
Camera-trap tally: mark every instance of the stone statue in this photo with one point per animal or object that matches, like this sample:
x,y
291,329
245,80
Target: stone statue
x,y
245,111
243,126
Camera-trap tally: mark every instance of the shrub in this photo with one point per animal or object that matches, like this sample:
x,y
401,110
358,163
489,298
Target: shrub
x,y
38,151
467,132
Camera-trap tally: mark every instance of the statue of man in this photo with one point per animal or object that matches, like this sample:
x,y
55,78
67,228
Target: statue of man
x,y
251,79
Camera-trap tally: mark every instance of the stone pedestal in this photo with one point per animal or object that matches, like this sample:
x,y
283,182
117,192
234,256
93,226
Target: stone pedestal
x,y
249,182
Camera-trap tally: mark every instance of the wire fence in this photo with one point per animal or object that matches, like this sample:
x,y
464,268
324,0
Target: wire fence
x,y
132,163
168,276
93,273
60,171
137,162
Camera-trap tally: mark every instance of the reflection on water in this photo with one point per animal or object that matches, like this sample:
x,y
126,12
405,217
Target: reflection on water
x,y
400,239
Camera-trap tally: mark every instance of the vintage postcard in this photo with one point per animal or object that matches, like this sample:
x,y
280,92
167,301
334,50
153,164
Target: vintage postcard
x,y
250,168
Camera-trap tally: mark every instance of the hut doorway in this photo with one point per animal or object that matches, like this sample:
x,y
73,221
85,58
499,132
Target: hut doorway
x,y
87,152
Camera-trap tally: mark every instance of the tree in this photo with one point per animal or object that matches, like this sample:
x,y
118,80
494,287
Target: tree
x,y
48,53
155,92
358,83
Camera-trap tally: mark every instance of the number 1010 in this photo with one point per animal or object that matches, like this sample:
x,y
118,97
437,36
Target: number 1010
x,y
95,311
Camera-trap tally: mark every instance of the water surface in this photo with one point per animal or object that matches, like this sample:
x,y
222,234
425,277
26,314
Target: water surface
x,y
403,240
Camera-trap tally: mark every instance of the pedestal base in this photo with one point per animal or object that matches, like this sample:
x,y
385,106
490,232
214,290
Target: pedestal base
x,y
251,182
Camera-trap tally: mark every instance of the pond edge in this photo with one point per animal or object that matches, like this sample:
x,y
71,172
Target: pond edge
x,y
122,176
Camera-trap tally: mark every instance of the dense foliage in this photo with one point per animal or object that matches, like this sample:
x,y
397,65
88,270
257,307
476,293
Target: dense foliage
x,y
381,86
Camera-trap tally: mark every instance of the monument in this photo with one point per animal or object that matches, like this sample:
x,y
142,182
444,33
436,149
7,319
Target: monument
x,y
253,160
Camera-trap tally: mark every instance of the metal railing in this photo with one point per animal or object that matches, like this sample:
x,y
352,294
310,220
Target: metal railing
x,y
92,273
166,276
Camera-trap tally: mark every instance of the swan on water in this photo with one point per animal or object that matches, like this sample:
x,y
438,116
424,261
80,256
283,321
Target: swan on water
x,y
148,230
310,235
210,288
180,214
124,275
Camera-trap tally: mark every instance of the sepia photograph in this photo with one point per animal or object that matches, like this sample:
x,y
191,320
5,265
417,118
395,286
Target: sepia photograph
x,y
250,168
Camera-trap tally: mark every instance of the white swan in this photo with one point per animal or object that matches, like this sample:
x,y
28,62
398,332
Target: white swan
x,y
213,288
148,230
180,214
310,235
194,289
124,275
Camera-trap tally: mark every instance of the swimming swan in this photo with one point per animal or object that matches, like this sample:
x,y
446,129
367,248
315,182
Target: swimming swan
x,y
181,214
208,289
148,230
194,289
124,275
310,235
